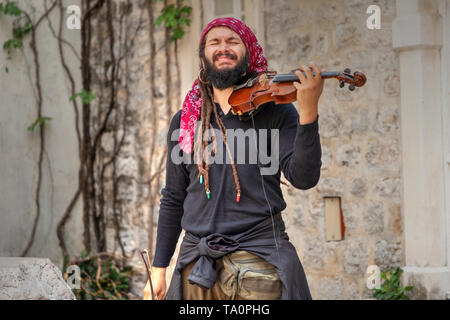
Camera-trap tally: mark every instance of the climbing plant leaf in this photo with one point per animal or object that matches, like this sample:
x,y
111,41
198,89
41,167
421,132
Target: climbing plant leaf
x,y
10,9
19,33
39,121
175,20
85,95
391,289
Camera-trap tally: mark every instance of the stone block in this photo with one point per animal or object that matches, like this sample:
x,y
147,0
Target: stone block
x,y
345,36
384,155
330,289
326,157
330,187
321,43
298,215
348,155
355,257
373,218
392,84
387,120
351,290
300,46
314,254
387,255
387,186
357,121
352,216
32,279
358,187
329,11
330,124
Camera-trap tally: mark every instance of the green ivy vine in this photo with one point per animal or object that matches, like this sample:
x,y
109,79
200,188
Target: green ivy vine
x,y
16,42
85,96
175,19
39,121
11,9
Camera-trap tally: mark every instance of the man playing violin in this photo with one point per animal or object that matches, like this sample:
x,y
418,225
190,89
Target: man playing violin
x,y
235,245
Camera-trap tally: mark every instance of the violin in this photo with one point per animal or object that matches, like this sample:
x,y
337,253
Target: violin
x,y
270,86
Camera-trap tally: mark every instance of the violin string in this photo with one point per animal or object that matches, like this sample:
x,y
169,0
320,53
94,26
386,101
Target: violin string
x,y
264,189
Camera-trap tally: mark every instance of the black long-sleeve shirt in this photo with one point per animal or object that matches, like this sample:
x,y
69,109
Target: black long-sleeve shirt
x,y
184,203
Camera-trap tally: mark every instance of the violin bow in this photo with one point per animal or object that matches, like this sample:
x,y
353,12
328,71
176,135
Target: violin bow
x,y
146,258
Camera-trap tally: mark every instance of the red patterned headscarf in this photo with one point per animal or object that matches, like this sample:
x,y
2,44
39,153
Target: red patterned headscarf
x,y
193,102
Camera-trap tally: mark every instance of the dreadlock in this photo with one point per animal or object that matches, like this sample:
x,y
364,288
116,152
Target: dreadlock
x,y
207,108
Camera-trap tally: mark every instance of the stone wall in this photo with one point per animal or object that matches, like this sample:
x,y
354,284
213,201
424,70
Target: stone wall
x,y
138,121
360,140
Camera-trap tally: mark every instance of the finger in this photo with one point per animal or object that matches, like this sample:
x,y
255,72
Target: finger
x,y
296,84
307,71
160,294
316,71
300,76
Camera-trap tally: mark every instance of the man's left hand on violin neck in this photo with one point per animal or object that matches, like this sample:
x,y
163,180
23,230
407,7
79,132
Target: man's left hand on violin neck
x,y
309,88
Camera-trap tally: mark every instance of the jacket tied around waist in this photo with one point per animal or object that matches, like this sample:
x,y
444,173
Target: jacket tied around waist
x,y
267,240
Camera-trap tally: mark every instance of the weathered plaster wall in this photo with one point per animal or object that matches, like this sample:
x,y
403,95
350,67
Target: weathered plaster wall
x,y
20,147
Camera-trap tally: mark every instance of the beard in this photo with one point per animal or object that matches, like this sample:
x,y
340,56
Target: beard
x,y
225,78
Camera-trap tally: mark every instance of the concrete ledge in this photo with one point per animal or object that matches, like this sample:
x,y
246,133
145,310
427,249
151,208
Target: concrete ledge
x,y
431,283
32,279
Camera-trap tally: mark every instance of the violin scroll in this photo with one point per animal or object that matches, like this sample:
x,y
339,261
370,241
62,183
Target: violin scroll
x,y
358,79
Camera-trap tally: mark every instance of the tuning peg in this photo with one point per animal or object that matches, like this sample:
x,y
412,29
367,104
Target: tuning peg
x,y
347,70
341,84
351,87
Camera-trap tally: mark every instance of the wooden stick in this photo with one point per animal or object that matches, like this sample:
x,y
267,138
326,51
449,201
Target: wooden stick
x,y
148,266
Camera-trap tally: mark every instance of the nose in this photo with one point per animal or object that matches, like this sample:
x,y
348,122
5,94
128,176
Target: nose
x,y
223,47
